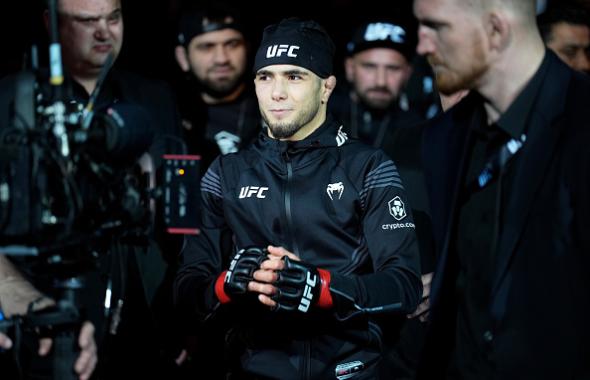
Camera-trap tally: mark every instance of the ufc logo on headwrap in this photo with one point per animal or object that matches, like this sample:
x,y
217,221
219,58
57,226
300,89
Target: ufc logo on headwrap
x,y
278,50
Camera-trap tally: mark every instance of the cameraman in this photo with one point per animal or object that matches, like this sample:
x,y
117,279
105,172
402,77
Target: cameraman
x,y
91,35
90,32
325,240
17,295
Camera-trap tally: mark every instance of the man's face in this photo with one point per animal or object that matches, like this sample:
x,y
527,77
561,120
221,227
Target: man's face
x,y
378,76
90,30
218,60
453,40
289,98
571,43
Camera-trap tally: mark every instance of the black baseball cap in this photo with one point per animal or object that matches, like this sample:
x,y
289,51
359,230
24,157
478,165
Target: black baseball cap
x,y
194,22
382,34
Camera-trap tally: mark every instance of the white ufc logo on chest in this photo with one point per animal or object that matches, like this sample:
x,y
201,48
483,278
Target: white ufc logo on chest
x,y
278,50
250,191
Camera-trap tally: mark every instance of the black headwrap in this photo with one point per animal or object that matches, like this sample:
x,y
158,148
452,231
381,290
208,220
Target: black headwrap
x,y
296,42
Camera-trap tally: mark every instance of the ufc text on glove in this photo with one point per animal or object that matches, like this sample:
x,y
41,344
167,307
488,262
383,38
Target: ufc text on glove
x,y
300,286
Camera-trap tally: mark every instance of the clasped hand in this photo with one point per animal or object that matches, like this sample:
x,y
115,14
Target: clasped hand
x,y
265,278
279,278
254,270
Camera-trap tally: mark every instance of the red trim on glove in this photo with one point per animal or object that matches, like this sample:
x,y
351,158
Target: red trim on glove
x,y
219,291
325,300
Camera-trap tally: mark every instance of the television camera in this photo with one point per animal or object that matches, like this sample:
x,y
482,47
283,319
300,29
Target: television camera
x,y
72,186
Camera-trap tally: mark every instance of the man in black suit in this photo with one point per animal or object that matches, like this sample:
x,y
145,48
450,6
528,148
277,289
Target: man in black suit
x,y
508,171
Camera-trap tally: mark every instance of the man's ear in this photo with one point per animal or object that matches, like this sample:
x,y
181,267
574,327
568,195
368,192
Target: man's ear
x,y
182,58
498,31
329,85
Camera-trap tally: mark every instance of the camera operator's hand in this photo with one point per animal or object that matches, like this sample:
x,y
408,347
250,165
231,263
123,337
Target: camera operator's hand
x,y
288,284
16,293
87,359
5,342
233,282
18,296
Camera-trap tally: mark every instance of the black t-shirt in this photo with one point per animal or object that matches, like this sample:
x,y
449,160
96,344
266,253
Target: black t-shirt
x,y
211,130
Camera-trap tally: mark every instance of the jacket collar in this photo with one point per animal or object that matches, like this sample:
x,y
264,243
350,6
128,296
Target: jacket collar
x,y
301,152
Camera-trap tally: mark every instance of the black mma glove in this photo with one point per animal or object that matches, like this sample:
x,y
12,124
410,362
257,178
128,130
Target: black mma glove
x,y
301,286
234,281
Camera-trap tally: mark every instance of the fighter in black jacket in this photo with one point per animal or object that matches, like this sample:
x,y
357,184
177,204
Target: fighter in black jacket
x,y
324,237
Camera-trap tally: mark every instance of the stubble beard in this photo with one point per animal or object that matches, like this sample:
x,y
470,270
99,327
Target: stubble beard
x,y
284,130
449,82
379,104
221,88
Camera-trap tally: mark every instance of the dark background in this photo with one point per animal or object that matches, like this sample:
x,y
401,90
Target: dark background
x,y
150,27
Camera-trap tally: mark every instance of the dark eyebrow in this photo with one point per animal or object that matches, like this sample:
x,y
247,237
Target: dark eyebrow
x,y
283,73
234,40
295,72
116,11
575,45
264,72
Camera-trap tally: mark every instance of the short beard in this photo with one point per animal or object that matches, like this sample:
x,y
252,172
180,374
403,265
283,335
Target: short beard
x,y
220,90
450,82
371,103
377,105
282,131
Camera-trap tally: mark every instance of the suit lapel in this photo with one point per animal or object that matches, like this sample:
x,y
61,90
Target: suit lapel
x,y
460,137
544,128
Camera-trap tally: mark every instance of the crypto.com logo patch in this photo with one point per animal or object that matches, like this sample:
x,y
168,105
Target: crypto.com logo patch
x,y
397,208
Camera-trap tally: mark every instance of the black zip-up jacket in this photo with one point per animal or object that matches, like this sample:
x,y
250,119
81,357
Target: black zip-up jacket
x,y
337,204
